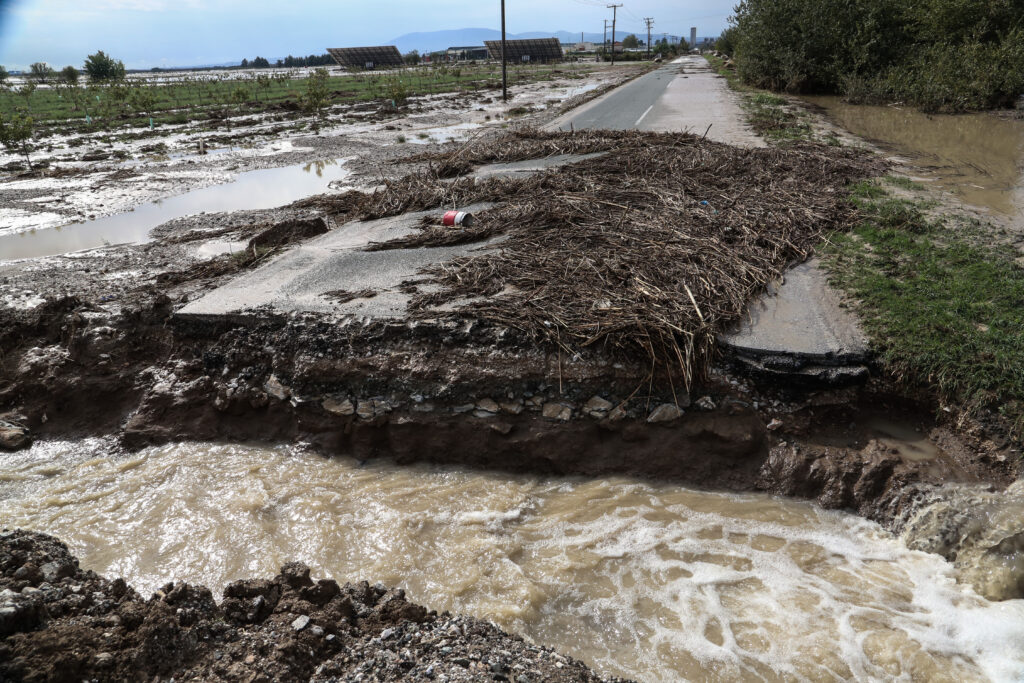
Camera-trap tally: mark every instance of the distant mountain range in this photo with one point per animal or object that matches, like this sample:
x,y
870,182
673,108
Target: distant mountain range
x,y
442,40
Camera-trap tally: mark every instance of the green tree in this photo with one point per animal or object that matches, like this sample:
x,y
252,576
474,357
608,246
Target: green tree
x,y
396,90
938,54
41,73
263,82
240,95
260,63
5,79
69,75
726,43
630,42
101,67
317,91
15,132
412,57
142,99
25,91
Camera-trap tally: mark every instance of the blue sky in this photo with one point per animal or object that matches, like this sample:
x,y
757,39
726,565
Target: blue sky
x,y
147,33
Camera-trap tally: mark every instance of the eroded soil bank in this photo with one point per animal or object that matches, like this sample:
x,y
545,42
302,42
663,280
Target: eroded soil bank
x,y
110,355
93,344
60,623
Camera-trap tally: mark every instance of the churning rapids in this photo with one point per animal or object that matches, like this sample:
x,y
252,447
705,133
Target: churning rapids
x,y
650,581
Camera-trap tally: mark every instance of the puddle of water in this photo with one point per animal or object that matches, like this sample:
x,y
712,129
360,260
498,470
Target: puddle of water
x,y
904,440
977,157
208,250
263,189
651,582
900,438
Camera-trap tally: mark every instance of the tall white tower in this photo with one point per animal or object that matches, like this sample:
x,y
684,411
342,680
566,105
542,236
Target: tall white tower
x,y
693,37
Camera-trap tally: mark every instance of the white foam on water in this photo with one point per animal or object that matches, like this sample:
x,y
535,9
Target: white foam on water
x,y
652,582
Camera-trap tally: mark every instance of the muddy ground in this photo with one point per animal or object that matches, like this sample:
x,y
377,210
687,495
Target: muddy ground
x,y
90,345
61,623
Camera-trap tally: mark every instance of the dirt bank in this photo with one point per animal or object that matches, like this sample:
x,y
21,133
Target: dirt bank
x,y
92,344
60,623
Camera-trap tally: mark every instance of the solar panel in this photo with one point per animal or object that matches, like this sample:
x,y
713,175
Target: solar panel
x,y
535,50
366,57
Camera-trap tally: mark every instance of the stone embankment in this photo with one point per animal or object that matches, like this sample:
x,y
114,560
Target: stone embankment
x,y
61,623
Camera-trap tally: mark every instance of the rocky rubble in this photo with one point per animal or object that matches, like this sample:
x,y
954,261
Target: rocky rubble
x,y
61,623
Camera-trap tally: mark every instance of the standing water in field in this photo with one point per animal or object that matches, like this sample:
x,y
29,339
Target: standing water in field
x,y
977,157
655,582
263,189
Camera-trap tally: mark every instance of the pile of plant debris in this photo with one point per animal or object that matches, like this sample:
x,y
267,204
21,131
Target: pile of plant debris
x,y
652,247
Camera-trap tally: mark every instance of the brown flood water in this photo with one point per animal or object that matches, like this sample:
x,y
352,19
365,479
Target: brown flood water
x,y
977,157
656,582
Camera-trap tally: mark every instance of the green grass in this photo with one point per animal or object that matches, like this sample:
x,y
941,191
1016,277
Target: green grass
x,y
944,306
63,111
903,182
767,114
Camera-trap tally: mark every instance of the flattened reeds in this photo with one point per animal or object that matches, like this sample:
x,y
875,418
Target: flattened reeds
x,y
651,248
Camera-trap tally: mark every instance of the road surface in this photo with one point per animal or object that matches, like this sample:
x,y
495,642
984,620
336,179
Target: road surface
x,y
683,96
799,328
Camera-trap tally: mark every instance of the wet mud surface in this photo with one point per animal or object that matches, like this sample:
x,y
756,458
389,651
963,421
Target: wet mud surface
x,y
60,623
90,345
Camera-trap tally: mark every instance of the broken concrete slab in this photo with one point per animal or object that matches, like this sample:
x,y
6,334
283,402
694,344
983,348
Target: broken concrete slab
x,y
800,327
530,166
302,279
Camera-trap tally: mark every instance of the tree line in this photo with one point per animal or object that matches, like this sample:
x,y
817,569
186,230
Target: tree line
x,y
939,55
288,62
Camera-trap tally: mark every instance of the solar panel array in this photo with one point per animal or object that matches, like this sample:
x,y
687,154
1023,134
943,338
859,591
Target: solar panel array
x,y
535,50
366,57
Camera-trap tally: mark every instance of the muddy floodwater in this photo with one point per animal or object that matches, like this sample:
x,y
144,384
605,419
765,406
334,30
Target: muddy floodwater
x,y
262,189
977,157
651,581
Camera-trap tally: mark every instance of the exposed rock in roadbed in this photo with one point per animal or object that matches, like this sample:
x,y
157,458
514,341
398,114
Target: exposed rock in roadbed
x,y
61,623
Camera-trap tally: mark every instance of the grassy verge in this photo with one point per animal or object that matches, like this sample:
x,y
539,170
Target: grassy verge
x,y
769,115
944,306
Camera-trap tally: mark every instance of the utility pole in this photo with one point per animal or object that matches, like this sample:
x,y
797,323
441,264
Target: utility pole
x,y
650,22
605,43
615,14
504,69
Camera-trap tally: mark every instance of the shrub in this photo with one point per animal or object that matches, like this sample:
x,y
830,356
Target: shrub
x,y
102,67
942,55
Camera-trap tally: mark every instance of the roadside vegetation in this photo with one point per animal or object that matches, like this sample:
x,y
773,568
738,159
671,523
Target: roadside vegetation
x,y
942,304
769,115
939,55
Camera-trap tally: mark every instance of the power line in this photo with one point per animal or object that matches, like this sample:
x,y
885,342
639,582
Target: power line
x,y
615,14
650,22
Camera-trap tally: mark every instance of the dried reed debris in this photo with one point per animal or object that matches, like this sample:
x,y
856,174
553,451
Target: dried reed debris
x,y
652,248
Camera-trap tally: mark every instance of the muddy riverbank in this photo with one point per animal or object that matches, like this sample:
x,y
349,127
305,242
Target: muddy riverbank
x,y
93,346
61,623
110,344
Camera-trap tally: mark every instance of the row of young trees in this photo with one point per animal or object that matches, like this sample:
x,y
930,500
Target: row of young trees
x,y
941,55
